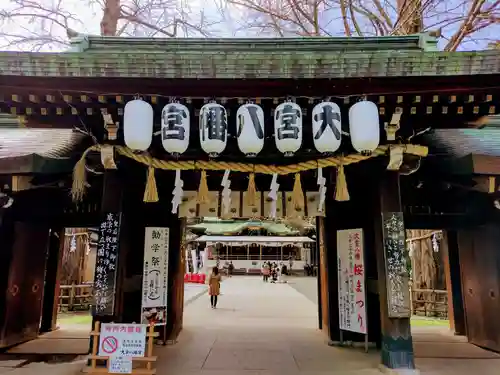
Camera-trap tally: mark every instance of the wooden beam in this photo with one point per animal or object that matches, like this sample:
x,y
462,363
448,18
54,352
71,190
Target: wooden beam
x,y
486,164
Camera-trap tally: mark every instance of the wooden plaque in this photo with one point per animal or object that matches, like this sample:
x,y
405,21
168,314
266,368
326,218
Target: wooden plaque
x,y
210,209
312,202
188,207
290,210
252,211
396,270
267,204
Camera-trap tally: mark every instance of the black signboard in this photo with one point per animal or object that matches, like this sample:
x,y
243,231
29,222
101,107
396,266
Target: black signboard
x,y
397,278
106,264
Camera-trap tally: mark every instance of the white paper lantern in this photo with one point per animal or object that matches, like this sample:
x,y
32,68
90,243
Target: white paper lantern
x,y
326,125
175,128
288,128
250,125
138,124
364,127
213,128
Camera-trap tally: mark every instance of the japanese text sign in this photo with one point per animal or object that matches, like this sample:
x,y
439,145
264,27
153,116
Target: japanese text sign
x,y
351,280
122,340
120,365
155,275
397,277
106,264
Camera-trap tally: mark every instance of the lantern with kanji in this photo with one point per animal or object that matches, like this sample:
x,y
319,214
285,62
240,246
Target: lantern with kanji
x,y
175,128
250,129
138,124
288,128
326,126
213,128
364,127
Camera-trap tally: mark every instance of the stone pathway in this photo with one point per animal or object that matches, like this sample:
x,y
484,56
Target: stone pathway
x,y
257,329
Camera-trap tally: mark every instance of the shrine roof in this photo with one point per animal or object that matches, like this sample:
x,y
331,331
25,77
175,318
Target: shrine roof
x,y
462,142
233,227
283,58
38,150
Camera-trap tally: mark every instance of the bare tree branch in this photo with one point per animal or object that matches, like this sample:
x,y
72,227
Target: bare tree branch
x,y
457,21
49,24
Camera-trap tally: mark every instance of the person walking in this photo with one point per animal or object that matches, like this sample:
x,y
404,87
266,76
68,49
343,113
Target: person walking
x,y
230,269
265,272
214,286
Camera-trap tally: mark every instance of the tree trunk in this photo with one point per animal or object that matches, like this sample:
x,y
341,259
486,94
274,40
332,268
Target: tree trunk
x,y
111,14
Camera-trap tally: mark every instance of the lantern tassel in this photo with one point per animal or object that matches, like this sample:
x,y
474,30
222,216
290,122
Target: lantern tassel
x,y
151,192
80,177
203,197
341,192
297,194
251,197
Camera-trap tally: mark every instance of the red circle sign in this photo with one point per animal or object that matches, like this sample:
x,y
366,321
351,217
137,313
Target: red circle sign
x,y
109,344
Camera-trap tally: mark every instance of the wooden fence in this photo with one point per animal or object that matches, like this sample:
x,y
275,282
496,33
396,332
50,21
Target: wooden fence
x,y
75,297
429,302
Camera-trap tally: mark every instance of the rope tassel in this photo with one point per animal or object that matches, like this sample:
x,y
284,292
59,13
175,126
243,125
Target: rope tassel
x,y
151,192
341,192
298,194
251,197
203,197
79,183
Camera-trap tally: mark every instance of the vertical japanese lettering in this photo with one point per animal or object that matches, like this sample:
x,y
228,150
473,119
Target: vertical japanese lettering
x,y
288,119
327,118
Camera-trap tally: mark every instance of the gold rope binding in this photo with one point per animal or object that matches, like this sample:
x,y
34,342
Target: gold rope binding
x,y
80,177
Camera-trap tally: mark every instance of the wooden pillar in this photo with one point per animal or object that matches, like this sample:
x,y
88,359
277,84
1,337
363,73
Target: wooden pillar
x,y
451,260
323,285
397,344
111,202
52,284
178,287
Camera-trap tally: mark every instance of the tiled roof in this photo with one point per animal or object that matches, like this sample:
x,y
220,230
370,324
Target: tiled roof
x,y
462,142
234,227
251,58
47,143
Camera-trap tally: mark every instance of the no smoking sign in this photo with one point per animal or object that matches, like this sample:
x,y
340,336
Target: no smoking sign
x,y
109,345
122,340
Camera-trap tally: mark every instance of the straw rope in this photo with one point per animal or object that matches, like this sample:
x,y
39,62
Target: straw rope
x,y
79,177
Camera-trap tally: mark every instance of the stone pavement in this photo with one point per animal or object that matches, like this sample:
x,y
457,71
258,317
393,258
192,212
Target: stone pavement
x,y
192,292
257,329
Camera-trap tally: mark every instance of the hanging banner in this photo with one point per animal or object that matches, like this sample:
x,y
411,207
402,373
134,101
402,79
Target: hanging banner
x,y
106,264
396,270
351,277
155,276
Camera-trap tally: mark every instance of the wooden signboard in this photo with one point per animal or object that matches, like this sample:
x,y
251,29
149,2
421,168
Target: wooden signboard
x,y
268,202
211,208
397,278
188,206
126,349
252,211
290,209
106,264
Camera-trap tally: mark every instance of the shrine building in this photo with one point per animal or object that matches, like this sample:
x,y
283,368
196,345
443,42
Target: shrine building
x,y
134,134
